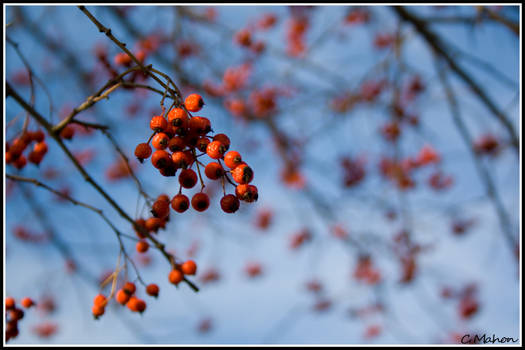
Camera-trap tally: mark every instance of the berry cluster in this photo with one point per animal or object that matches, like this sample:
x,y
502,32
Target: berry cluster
x,y
124,296
179,139
14,151
14,314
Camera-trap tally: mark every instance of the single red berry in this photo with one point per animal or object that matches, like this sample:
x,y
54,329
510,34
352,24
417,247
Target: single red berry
x,y
200,201
153,290
142,151
243,37
189,267
20,162
247,193
176,143
100,300
242,174
142,246
122,59
129,288
27,302
180,203
169,168
232,159
160,159
160,209
158,123
68,132
193,103
160,140
176,276
213,171
222,138
122,297
202,143
200,125
230,203
153,224
187,178
40,147
178,118
10,303
182,159
35,158
97,311
215,150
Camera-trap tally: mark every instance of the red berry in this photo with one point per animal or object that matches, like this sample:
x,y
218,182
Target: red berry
x,y
232,159
178,117
213,171
180,203
247,193
160,140
160,159
182,159
176,276
242,174
189,267
122,297
142,151
222,138
200,201
187,178
27,302
158,123
152,289
215,150
202,143
200,125
142,246
160,209
193,103
176,144
230,203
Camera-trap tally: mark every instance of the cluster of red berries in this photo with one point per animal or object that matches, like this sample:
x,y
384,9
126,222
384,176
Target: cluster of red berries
x,y
124,296
179,139
14,314
176,275
14,151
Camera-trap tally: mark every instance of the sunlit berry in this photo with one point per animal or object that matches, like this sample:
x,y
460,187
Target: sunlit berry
x,y
247,193
232,159
242,174
215,150
189,267
160,140
193,103
175,276
158,123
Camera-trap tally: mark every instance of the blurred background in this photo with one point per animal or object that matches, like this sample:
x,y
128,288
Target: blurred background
x,y
385,147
